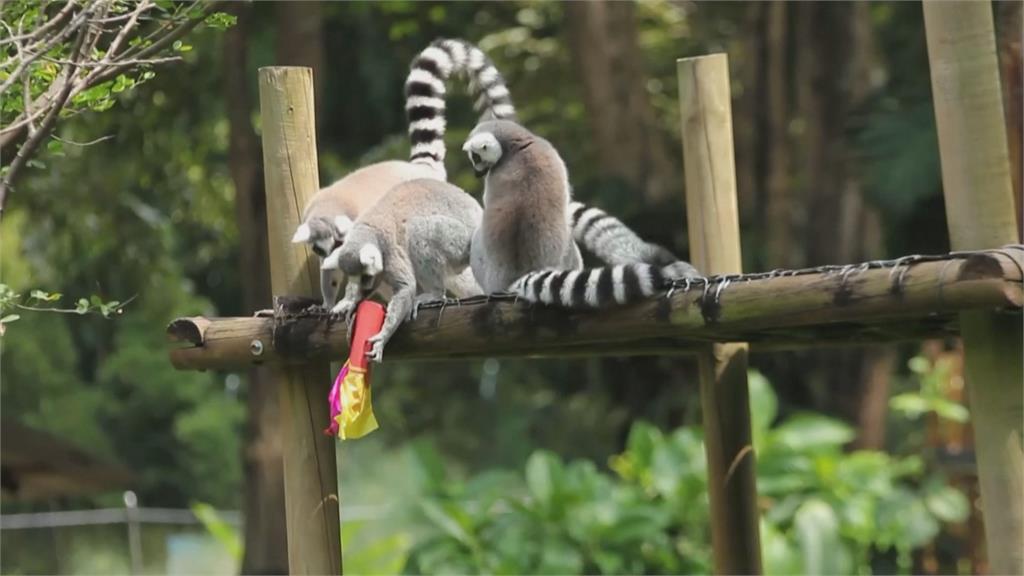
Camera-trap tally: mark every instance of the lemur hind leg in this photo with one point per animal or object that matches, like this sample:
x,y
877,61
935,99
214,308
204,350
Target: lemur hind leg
x,y
438,245
463,285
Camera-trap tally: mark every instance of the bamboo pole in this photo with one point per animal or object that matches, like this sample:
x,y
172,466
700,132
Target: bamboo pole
x,y
290,172
843,306
713,225
980,214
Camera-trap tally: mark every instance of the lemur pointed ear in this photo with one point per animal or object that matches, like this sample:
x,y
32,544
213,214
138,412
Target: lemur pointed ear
x,y
342,224
302,234
371,259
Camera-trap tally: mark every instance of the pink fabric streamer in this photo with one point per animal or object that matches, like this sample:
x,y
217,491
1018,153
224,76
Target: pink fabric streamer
x,y
334,399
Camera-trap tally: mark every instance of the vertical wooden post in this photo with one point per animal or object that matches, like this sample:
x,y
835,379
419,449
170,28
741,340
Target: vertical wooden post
x,y
291,176
713,222
980,214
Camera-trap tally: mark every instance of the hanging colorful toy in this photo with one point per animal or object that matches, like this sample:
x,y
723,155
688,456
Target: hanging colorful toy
x,y
351,410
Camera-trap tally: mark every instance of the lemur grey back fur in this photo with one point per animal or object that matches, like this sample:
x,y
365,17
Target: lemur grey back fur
x,y
425,95
331,211
525,224
417,237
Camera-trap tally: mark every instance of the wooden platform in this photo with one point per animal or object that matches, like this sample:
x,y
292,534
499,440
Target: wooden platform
x,y
909,298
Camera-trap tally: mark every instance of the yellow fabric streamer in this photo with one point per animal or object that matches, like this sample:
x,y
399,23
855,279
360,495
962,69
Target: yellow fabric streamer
x,y
356,418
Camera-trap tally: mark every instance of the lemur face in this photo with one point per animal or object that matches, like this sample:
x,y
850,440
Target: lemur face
x,y
483,150
366,264
323,235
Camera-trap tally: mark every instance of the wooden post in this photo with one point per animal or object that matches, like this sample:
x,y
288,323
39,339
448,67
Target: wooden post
x,y
980,214
290,172
713,222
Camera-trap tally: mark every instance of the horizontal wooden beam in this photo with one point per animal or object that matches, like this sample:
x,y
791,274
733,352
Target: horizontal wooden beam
x,y
906,299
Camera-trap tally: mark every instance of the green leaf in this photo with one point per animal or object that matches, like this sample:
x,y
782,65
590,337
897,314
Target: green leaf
x,y
947,503
221,531
904,521
83,306
779,555
811,432
911,404
221,20
643,437
764,404
818,534
559,557
446,521
953,411
919,365
121,83
542,477
9,318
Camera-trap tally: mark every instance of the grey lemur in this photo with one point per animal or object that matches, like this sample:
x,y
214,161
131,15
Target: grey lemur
x,y
417,237
525,234
525,225
332,210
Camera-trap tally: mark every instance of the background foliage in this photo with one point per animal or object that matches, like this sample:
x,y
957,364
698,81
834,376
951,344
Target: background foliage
x,y
149,214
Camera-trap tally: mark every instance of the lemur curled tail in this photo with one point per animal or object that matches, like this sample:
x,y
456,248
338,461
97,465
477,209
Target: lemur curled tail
x,y
425,92
332,210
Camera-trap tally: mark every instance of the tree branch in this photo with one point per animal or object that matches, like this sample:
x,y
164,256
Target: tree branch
x,y
89,26
57,19
33,142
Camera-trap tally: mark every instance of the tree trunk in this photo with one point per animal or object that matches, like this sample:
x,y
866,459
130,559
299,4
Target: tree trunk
x,y
834,59
266,545
750,114
629,145
778,226
1009,27
299,40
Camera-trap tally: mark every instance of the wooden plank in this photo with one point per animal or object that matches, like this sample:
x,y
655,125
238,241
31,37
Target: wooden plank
x,y
882,304
713,225
980,214
290,173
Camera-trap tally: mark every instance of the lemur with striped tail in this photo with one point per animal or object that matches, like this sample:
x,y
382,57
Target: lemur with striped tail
x,y
331,212
525,240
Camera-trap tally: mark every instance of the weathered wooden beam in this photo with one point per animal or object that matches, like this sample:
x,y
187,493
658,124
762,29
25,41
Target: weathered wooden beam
x,y
796,310
290,173
980,214
705,110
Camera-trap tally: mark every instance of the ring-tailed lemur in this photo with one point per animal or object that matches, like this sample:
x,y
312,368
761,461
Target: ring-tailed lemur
x,y
525,225
417,237
524,241
330,213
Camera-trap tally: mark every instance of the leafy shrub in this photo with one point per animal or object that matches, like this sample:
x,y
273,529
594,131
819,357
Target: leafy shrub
x,y
823,510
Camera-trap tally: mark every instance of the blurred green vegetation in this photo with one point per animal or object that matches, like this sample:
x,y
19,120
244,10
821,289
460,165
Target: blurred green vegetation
x,y
149,214
825,511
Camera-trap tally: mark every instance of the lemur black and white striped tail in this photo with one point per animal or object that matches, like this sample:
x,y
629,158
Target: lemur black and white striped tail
x,y
608,238
425,94
598,287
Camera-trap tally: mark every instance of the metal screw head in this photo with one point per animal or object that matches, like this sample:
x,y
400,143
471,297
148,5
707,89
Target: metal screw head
x,y
256,348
